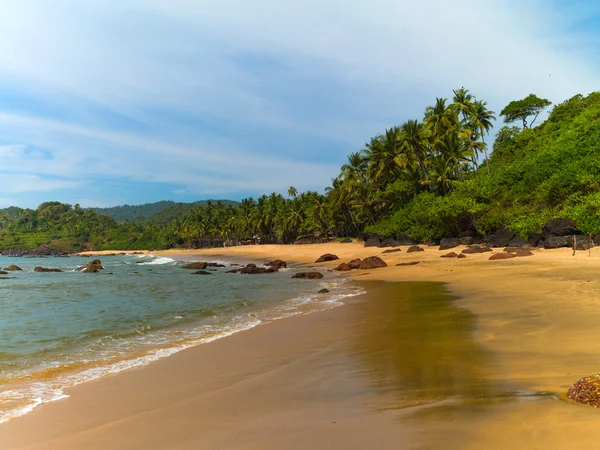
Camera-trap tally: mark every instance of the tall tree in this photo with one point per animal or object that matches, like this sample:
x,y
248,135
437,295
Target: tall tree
x,y
531,105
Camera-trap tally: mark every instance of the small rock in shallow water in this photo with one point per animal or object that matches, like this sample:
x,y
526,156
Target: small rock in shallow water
x,y
323,291
308,275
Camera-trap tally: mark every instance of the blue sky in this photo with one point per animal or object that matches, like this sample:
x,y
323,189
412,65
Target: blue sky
x,y
133,101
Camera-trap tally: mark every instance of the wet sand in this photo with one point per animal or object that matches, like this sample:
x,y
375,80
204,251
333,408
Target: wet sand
x,y
404,366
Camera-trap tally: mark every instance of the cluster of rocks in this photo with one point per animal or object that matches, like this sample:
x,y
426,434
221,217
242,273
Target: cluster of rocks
x,y
586,391
371,262
558,232
253,269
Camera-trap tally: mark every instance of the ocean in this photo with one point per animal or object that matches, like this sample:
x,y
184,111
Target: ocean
x,y
61,329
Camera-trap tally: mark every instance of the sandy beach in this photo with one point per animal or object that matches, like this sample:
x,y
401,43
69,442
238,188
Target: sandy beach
x,y
517,333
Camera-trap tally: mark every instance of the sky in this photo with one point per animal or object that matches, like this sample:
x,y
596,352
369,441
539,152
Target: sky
x,y
113,102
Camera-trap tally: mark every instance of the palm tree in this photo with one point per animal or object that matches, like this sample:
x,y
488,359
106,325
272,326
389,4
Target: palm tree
x,y
463,102
292,192
481,118
415,144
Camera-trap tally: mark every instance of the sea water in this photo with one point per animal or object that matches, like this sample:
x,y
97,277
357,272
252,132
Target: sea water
x,y
62,329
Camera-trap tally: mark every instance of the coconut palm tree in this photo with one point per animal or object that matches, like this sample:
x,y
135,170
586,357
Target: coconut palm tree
x,y
481,118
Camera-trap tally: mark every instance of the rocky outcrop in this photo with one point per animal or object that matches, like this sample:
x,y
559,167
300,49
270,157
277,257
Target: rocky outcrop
x,y
196,266
586,391
405,239
448,243
308,275
327,257
214,264
474,249
517,241
42,251
559,227
44,269
466,240
93,266
389,242
372,262
252,269
449,255
533,239
414,248
277,264
13,268
497,256
552,241
501,238
373,241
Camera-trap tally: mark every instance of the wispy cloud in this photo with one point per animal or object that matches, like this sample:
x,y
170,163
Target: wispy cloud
x,y
140,100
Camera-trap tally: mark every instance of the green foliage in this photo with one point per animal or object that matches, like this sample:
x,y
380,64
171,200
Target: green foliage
x,y
521,110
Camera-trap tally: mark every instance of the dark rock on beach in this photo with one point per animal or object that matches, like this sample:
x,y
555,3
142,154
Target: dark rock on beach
x,y
461,256
533,239
404,239
474,249
327,257
449,255
308,275
213,264
389,242
586,391
448,243
44,269
501,238
411,263
414,248
373,241
467,240
196,266
343,268
346,241
323,291
559,227
13,268
583,242
498,256
517,241
392,250
372,262
552,241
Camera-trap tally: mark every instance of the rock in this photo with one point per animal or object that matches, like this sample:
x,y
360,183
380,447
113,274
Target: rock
x,y
92,267
477,240
13,268
277,264
523,252
497,256
212,264
461,256
516,249
473,249
467,240
372,262
308,275
414,248
411,263
43,269
586,391
323,291
534,238
251,269
355,263
392,250
501,238
448,243
343,268
3,272
517,241
346,241
196,266
327,257
405,239
389,242
559,227
450,255
552,241
431,242
373,241
201,272
39,252
583,242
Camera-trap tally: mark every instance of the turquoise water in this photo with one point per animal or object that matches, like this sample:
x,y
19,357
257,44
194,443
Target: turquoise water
x,y
61,329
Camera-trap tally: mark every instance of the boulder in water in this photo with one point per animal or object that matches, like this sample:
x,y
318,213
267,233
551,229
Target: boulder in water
x,y
44,269
308,275
93,266
13,268
196,266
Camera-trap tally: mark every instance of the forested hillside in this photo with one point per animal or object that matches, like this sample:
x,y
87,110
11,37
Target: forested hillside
x,y
428,178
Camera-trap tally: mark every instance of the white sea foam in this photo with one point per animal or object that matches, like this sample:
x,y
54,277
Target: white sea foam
x,y
158,261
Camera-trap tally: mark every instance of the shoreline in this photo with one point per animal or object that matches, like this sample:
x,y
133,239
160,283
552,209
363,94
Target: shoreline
x,y
489,289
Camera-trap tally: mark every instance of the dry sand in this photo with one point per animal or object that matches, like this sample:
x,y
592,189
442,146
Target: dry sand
x,y
301,383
